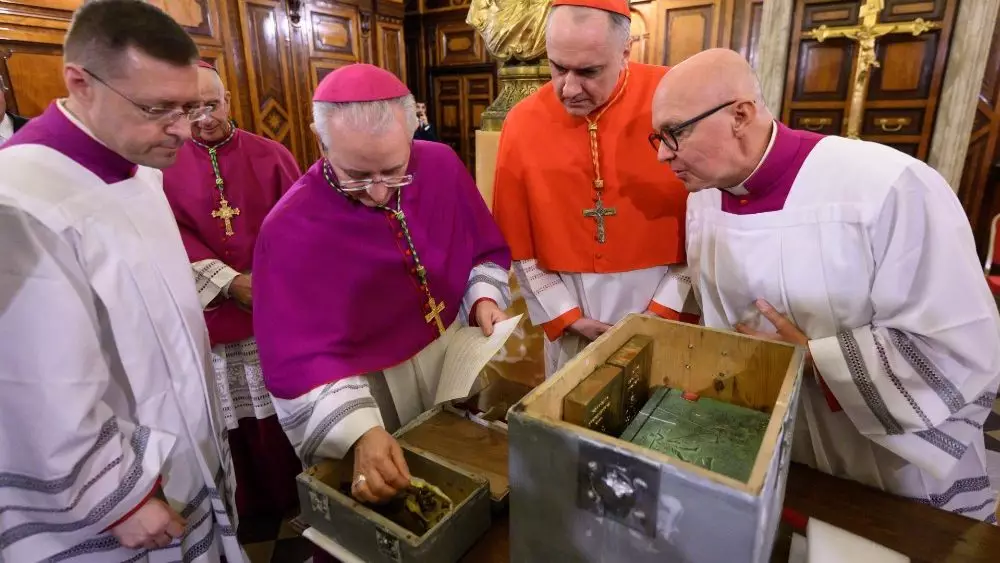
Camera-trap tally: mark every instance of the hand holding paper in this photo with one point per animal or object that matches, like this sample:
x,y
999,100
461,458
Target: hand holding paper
x,y
468,353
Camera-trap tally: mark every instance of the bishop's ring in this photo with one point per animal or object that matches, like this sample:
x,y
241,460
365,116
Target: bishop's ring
x,y
359,480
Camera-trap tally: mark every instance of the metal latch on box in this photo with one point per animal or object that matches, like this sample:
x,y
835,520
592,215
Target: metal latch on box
x,y
614,485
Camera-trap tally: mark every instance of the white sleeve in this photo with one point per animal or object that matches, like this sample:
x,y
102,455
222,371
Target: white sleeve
x,y
929,362
69,468
326,421
675,291
544,292
212,277
486,281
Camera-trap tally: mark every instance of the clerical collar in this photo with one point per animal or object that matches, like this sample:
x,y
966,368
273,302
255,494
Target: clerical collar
x,y
61,131
741,188
218,145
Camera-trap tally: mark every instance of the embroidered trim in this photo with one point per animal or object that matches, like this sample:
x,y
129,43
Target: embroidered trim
x,y
859,373
944,388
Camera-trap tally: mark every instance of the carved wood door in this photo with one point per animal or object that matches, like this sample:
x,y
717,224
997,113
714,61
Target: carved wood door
x,y
900,101
980,188
665,32
459,104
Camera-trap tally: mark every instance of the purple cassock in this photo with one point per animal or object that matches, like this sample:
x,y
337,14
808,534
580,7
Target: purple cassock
x,y
54,130
769,185
335,287
256,172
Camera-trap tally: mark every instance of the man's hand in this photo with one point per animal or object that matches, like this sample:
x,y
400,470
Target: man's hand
x,y
488,314
154,525
380,471
240,289
588,328
787,331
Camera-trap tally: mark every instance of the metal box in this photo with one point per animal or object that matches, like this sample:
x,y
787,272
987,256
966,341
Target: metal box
x,y
376,539
581,496
476,445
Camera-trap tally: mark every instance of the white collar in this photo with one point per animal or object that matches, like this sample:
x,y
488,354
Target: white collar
x,y
61,104
740,189
6,126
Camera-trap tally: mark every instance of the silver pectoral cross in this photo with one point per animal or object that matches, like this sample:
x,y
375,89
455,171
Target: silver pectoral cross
x,y
598,213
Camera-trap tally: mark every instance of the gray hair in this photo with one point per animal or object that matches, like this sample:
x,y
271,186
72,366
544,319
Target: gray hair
x,y
620,27
371,116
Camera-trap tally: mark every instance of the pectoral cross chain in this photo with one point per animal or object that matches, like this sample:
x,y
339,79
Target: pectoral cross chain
x,y
226,213
435,313
598,213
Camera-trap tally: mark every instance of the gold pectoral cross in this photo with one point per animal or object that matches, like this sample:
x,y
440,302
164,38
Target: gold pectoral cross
x,y
226,213
435,315
598,213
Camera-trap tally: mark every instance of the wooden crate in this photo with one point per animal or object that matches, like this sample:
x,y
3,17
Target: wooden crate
x,y
376,539
578,495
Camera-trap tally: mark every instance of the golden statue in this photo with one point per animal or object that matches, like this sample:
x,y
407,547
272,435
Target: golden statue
x,y
511,28
514,33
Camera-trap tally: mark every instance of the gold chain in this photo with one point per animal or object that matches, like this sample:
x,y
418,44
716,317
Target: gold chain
x,y
592,129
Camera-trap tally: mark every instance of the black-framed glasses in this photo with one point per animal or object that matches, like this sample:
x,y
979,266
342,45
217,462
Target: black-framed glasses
x,y
167,116
669,136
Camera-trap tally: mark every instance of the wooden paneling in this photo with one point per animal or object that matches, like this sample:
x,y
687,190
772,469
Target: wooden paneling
x,y
459,101
980,187
898,104
458,44
687,27
390,46
31,36
272,96
271,58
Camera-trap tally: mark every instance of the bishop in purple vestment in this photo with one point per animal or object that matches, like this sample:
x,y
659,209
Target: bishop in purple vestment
x,y
223,184
363,271
856,251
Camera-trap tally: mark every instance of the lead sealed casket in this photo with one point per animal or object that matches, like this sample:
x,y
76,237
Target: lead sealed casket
x,y
581,496
463,455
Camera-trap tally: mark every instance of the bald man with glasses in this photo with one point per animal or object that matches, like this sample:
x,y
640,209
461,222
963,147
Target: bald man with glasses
x,y
112,446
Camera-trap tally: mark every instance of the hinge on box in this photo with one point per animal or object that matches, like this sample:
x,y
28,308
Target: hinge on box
x,y
618,486
388,544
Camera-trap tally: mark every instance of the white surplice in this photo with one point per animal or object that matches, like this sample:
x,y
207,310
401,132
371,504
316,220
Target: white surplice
x,y
238,377
104,373
326,421
873,259
607,298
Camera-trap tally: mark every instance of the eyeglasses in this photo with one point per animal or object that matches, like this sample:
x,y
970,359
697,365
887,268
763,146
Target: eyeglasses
x,y
167,116
392,182
669,136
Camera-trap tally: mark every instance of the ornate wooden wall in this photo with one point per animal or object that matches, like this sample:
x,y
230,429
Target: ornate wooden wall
x,y
272,53
450,70
901,98
980,189
668,31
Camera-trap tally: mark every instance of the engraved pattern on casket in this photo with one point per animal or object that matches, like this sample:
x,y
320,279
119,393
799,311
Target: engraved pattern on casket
x,y
320,504
387,544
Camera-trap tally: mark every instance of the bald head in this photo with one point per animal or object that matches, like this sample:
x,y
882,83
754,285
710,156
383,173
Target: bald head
x,y
712,120
709,78
212,92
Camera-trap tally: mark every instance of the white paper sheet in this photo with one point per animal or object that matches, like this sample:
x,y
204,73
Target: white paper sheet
x,y
468,353
830,544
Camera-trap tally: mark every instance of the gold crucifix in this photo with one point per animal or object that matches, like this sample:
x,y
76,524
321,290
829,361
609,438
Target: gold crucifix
x,y
226,213
866,34
598,213
435,314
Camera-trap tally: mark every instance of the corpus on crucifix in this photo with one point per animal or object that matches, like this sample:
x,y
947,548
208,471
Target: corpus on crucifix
x,y
866,34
